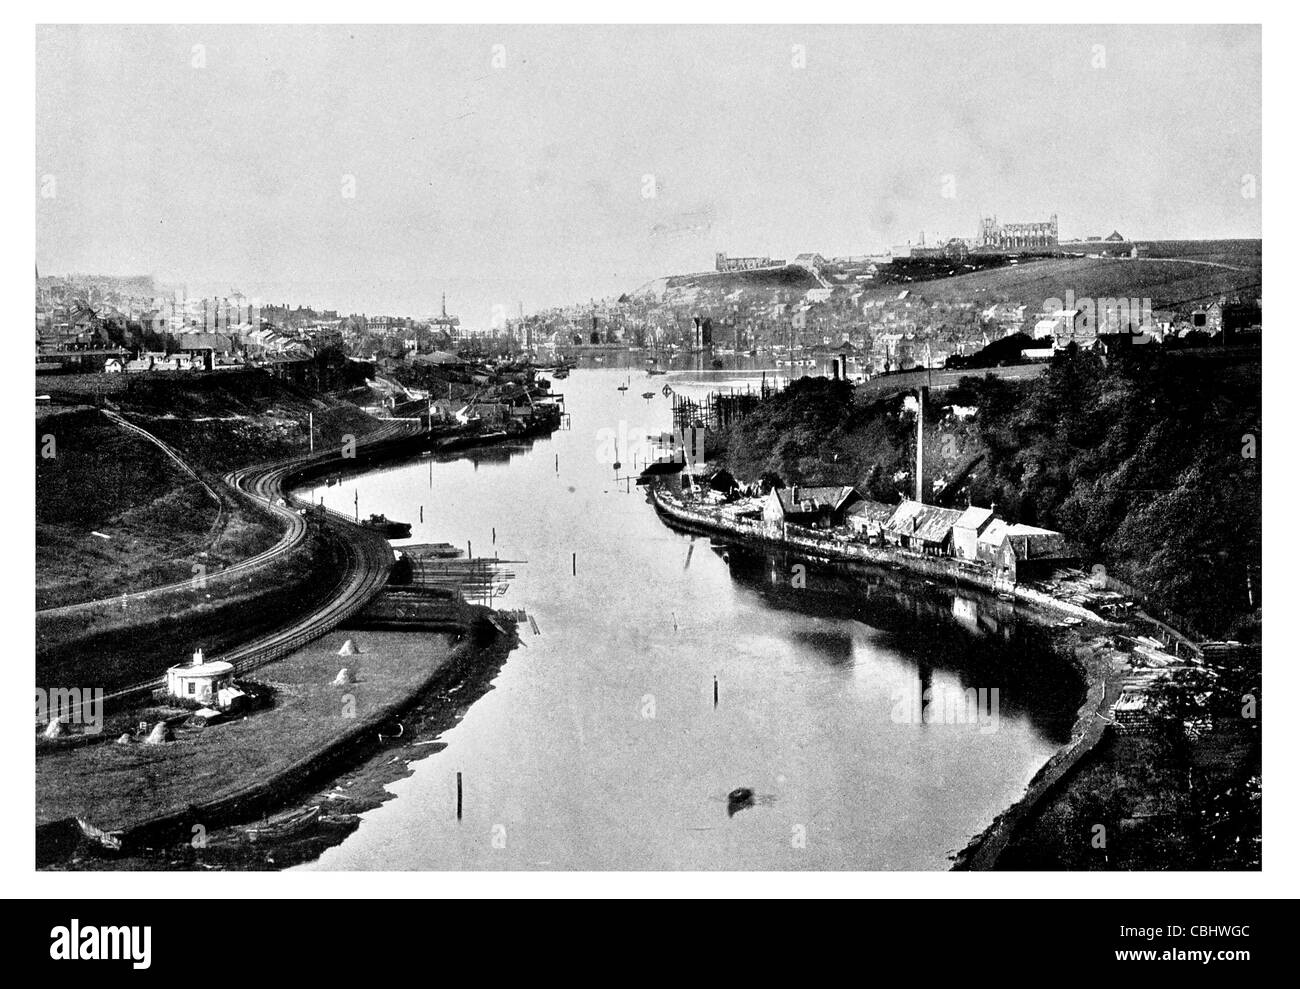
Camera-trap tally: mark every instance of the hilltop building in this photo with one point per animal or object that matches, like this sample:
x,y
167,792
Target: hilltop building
x,y
723,263
1017,236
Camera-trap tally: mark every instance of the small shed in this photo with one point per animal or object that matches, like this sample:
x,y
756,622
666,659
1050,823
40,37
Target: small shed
x,y
200,680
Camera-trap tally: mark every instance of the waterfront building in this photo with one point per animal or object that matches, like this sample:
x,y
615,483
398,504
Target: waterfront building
x,y
920,527
816,507
867,518
966,531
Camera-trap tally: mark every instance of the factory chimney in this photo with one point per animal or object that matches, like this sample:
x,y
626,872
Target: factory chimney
x,y
922,394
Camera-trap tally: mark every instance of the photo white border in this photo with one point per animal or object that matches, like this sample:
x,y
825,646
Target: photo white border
x,y
1279,874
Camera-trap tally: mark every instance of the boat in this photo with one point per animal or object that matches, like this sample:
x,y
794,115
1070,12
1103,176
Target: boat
x,y
391,529
647,395
655,370
284,826
738,799
561,374
110,841
622,387
658,468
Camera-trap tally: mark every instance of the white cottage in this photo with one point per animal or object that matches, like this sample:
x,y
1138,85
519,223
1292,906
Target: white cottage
x,y
206,682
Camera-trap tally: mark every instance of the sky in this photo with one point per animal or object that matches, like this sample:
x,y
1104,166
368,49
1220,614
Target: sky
x,y
373,168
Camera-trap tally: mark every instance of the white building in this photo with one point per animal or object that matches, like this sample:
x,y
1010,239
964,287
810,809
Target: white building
x,y
211,683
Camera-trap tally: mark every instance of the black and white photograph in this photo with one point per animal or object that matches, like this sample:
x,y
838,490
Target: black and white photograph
x,y
674,448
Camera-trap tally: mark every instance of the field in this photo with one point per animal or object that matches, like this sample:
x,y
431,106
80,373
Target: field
x,y
114,514
1174,274
115,784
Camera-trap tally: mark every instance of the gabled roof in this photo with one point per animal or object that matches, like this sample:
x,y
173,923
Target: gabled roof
x,y
1029,530
974,518
928,522
871,511
994,534
812,499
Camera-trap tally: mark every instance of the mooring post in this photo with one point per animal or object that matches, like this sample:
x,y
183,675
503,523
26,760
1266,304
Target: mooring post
x,y
715,690
494,535
421,513
458,795
575,564
470,552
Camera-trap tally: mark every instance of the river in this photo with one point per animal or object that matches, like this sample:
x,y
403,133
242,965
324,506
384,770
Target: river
x,y
600,745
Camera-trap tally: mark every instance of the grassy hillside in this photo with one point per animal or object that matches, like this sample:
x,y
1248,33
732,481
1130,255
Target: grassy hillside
x,y
1166,282
158,521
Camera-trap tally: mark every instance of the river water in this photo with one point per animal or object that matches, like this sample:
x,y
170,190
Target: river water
x,y
600,745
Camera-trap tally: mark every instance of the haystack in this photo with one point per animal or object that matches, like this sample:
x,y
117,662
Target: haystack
x,y
160,734
349,649
55,729
124,738
344,678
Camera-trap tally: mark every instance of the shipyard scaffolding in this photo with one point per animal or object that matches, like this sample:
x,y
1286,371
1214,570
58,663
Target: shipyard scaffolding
x,y
719,410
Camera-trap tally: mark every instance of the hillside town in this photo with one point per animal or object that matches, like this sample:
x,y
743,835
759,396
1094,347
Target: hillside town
x,y
877,311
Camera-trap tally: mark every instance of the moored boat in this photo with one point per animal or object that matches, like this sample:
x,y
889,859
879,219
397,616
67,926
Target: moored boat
x,y
391,529
284,826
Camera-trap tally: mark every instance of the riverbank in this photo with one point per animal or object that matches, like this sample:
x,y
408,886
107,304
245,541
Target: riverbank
x,y
832,550
107,785
1086,644
208,779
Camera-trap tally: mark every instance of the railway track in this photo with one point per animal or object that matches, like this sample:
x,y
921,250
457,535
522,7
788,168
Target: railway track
x,y
368,557
255,484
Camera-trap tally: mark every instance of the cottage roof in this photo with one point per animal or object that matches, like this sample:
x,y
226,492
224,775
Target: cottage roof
x,y
973,518
871,511
1029,530
811,499
994,534
213,668
927,522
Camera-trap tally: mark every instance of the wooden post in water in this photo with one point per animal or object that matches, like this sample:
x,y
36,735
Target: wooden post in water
x,y
421,513
575,564
458,795
715,690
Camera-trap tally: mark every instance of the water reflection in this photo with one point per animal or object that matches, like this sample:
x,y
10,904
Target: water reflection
x,y
980,639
